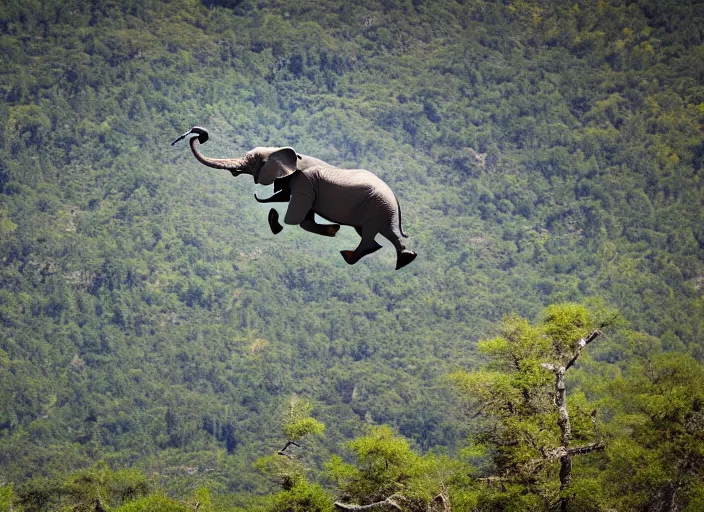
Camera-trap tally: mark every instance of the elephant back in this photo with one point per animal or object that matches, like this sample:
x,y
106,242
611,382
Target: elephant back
x,y
354,197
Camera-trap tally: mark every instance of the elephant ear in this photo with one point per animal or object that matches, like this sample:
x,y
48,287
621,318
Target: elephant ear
x,y
281,163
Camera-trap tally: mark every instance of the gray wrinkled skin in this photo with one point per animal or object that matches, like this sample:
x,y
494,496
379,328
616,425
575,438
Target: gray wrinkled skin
x,y
351,197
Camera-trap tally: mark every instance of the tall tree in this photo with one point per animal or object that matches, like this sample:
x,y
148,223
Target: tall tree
x,y
656,460
388,475
521,395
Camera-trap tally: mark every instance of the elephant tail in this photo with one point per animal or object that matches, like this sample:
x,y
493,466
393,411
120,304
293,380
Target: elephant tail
x,y
400,228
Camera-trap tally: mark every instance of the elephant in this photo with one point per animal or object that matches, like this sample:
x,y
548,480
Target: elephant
x,y
350,197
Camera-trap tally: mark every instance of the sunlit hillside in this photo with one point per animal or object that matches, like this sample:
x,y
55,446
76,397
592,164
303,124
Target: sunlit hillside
x,y
542,153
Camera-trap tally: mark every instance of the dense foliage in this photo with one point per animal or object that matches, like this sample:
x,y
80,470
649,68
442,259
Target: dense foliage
x,y
542,152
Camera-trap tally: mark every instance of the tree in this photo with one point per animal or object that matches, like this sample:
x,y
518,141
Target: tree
x,y
389,475
6,498
297,494
299,423
656,461
521,395
92,489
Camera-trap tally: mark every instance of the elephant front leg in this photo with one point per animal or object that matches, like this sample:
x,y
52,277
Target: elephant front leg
x,y
273,219
311,226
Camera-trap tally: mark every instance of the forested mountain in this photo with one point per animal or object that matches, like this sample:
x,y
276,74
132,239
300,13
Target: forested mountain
x,y
542,152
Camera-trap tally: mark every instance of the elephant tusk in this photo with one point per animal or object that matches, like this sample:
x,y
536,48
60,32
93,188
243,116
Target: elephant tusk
x,y
282,196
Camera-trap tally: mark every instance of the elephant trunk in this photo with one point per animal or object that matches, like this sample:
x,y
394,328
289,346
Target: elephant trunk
x,y
235,165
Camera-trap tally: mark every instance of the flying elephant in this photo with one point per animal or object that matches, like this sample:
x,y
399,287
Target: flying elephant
x,y
350,197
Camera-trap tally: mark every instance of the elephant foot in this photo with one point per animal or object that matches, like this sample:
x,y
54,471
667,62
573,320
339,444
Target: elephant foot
x,y
350,257
332,230
273,218
404,258
353,257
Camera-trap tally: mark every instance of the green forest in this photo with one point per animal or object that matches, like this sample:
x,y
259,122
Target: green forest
x,y
162,350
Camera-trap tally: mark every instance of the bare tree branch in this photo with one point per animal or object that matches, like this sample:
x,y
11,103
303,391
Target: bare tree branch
x,y
388,503
443,500
587,448
582,343
561,451
282,451
491,480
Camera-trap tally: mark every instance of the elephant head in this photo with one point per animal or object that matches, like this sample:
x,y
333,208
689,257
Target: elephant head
x,y
264,164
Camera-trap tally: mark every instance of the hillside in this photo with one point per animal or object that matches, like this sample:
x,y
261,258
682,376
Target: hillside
x,y
542,153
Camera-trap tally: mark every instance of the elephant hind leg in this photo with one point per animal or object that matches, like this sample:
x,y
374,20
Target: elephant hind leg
x,y
393,236
403,255
404,258
367,246
352,257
